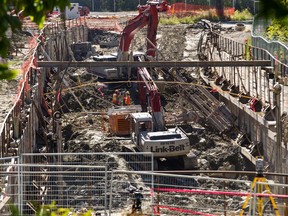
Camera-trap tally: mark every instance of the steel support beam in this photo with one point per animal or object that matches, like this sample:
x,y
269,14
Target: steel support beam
x,y
259,63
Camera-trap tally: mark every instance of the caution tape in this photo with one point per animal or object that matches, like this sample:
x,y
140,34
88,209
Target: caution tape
x,y
184,210
209,192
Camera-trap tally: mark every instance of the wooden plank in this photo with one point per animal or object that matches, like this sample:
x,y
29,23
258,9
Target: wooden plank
x,y
3,203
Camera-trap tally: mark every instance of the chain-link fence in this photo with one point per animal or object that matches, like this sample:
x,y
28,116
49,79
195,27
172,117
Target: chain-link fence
x,y
70,180
79,186
169,194
266,197
8,183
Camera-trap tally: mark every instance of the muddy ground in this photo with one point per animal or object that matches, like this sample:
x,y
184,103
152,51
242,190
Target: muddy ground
x,y
85,121
85,124
214,151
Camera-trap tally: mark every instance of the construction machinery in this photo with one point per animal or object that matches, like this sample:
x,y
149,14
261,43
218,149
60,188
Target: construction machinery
x,y
148,131
84,10
148,128
148,16
119,119
161,5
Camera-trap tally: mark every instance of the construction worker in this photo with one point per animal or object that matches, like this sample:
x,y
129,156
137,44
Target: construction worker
x,y
138,196
115,98
127,98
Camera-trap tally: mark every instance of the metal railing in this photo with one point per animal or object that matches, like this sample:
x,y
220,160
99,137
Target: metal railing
x,y
170,194
248,82
277,50
106,189
70,180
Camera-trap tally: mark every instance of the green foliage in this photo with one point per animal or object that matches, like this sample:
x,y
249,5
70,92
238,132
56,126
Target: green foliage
x,y
14,210
241,15
169,20
190,19
277,31
37,11
247,52
277,11
187,20
50,210
274,9
6,73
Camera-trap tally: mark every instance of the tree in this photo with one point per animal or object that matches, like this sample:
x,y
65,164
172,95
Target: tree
x,y
37,10
277,11
274,9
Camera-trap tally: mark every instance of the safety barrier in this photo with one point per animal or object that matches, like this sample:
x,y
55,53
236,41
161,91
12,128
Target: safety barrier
x,y
27,117
96,182
169,194
276,49
247,83
8,181
256,95
70,180
196,7
67,186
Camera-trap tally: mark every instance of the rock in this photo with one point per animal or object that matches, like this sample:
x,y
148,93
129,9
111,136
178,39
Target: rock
x,y
229,167
240,27
203,163
190,161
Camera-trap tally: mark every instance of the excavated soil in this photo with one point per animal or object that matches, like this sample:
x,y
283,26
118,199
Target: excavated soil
x,y
85,122
85,119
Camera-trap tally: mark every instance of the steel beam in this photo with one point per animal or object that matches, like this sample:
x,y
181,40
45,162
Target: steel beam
x,y
92,64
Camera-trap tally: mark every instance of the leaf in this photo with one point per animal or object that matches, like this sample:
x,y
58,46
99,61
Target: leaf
x,y
273,9
14,210
6,73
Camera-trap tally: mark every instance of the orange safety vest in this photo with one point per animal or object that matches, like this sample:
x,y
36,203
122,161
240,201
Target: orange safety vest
x,y
127,100
115,99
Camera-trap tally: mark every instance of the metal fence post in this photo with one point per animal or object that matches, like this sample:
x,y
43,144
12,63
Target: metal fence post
x,y
110,198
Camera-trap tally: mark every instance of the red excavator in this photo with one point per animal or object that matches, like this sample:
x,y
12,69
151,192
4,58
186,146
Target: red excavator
x,y
148,131
148,16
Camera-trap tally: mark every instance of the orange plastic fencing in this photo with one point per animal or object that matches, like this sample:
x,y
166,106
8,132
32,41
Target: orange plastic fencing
x,y
180,8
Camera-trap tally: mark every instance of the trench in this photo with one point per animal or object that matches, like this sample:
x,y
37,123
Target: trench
x,y
82,112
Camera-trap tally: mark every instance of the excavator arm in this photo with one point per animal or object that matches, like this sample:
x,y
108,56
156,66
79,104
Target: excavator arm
x,y
149,16
150,97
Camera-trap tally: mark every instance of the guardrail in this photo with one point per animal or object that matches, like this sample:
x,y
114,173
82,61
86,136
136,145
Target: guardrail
x,y
87,181
277,50
71,180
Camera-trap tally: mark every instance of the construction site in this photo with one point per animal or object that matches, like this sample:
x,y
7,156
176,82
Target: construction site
x,y
119,115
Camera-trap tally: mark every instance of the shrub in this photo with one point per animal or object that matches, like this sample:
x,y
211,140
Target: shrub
x,y
241,15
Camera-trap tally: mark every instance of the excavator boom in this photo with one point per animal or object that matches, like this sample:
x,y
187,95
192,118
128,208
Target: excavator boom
x,y
148,17
150,97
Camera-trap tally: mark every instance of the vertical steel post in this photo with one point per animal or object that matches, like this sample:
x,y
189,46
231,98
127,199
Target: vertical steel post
x,y
277,91
106,183
286,202
110,198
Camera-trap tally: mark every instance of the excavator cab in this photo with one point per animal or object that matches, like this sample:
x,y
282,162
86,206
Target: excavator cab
x,y
141,124
167,143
